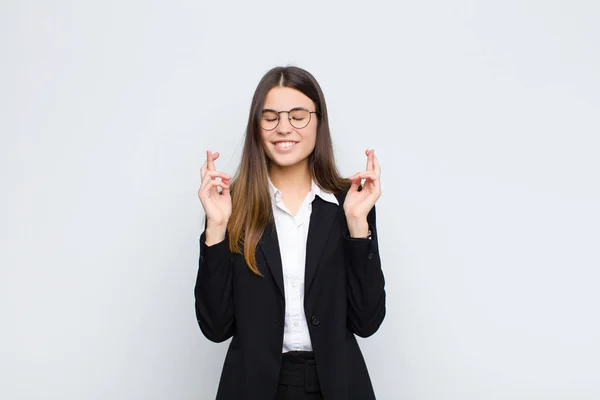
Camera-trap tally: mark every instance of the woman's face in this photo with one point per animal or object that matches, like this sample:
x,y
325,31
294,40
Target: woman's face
x,y
287,145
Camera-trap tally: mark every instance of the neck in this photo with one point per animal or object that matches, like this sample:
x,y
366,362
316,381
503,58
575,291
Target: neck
x,y
291,179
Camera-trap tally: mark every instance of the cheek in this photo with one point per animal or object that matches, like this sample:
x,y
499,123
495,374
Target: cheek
x,y
311,139
266,149
264,140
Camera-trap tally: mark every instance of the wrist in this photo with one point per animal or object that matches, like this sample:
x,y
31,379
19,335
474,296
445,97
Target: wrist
x,y
214,233
358,227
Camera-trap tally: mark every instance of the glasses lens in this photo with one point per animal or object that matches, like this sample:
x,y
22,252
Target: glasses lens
x,y
299,118
269,120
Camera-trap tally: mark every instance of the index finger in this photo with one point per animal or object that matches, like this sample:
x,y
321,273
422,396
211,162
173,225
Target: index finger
x,y
370,156
210,161
376,165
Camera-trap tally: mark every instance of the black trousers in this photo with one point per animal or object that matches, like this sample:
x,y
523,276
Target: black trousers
x,y
298,377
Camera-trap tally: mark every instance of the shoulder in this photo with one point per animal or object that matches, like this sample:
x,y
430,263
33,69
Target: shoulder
x,y
341,196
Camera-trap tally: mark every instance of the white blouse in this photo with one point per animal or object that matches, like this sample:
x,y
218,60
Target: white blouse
x,y
292,234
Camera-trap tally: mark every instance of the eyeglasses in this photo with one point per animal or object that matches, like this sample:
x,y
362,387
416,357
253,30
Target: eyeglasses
x,y
299,117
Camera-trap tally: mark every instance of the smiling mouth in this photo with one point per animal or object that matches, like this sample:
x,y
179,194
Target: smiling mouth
x,y
284,145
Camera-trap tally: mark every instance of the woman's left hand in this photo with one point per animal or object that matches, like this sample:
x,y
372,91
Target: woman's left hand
x,y
358,204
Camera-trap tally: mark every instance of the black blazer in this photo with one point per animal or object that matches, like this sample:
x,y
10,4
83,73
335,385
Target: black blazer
x,y
344,296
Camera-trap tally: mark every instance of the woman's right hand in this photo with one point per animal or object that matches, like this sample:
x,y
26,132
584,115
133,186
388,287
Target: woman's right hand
x,y
217,206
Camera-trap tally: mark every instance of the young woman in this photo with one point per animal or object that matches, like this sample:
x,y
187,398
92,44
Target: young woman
x,y
289,262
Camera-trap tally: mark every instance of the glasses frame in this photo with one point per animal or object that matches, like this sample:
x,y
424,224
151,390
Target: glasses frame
x,y
289,118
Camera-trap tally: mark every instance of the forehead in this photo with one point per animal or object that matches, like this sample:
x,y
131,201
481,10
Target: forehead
x,y
285,98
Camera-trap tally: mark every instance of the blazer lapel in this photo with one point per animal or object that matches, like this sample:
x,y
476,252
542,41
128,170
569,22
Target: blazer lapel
x,y
270,248
322,217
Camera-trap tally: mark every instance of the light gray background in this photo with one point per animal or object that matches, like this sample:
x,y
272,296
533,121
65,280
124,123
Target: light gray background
x,y
485,118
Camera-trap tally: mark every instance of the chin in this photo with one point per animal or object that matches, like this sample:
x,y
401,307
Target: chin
x,y
283,161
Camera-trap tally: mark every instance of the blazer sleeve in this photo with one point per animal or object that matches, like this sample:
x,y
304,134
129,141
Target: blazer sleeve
x,y
366,283
213,291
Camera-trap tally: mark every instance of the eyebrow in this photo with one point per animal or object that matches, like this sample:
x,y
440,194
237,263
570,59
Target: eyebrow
x,y
295,108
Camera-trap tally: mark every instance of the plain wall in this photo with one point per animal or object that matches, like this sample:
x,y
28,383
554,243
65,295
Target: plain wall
x,y
485,117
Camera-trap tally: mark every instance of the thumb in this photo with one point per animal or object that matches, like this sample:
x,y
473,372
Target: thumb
x,y
225,191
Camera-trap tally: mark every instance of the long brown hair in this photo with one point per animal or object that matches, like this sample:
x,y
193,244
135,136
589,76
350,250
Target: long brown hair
x,y
251,202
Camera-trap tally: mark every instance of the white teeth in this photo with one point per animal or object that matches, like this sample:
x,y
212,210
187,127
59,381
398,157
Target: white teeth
x,y
284,145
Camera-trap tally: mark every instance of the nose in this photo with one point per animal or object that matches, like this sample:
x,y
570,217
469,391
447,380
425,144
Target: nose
x,y
284,127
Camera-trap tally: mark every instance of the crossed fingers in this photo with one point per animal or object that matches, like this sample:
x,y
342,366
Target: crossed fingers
x,y
373,171
208,174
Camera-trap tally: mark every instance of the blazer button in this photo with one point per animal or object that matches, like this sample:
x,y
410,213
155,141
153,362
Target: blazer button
x,y
314,321
370,256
